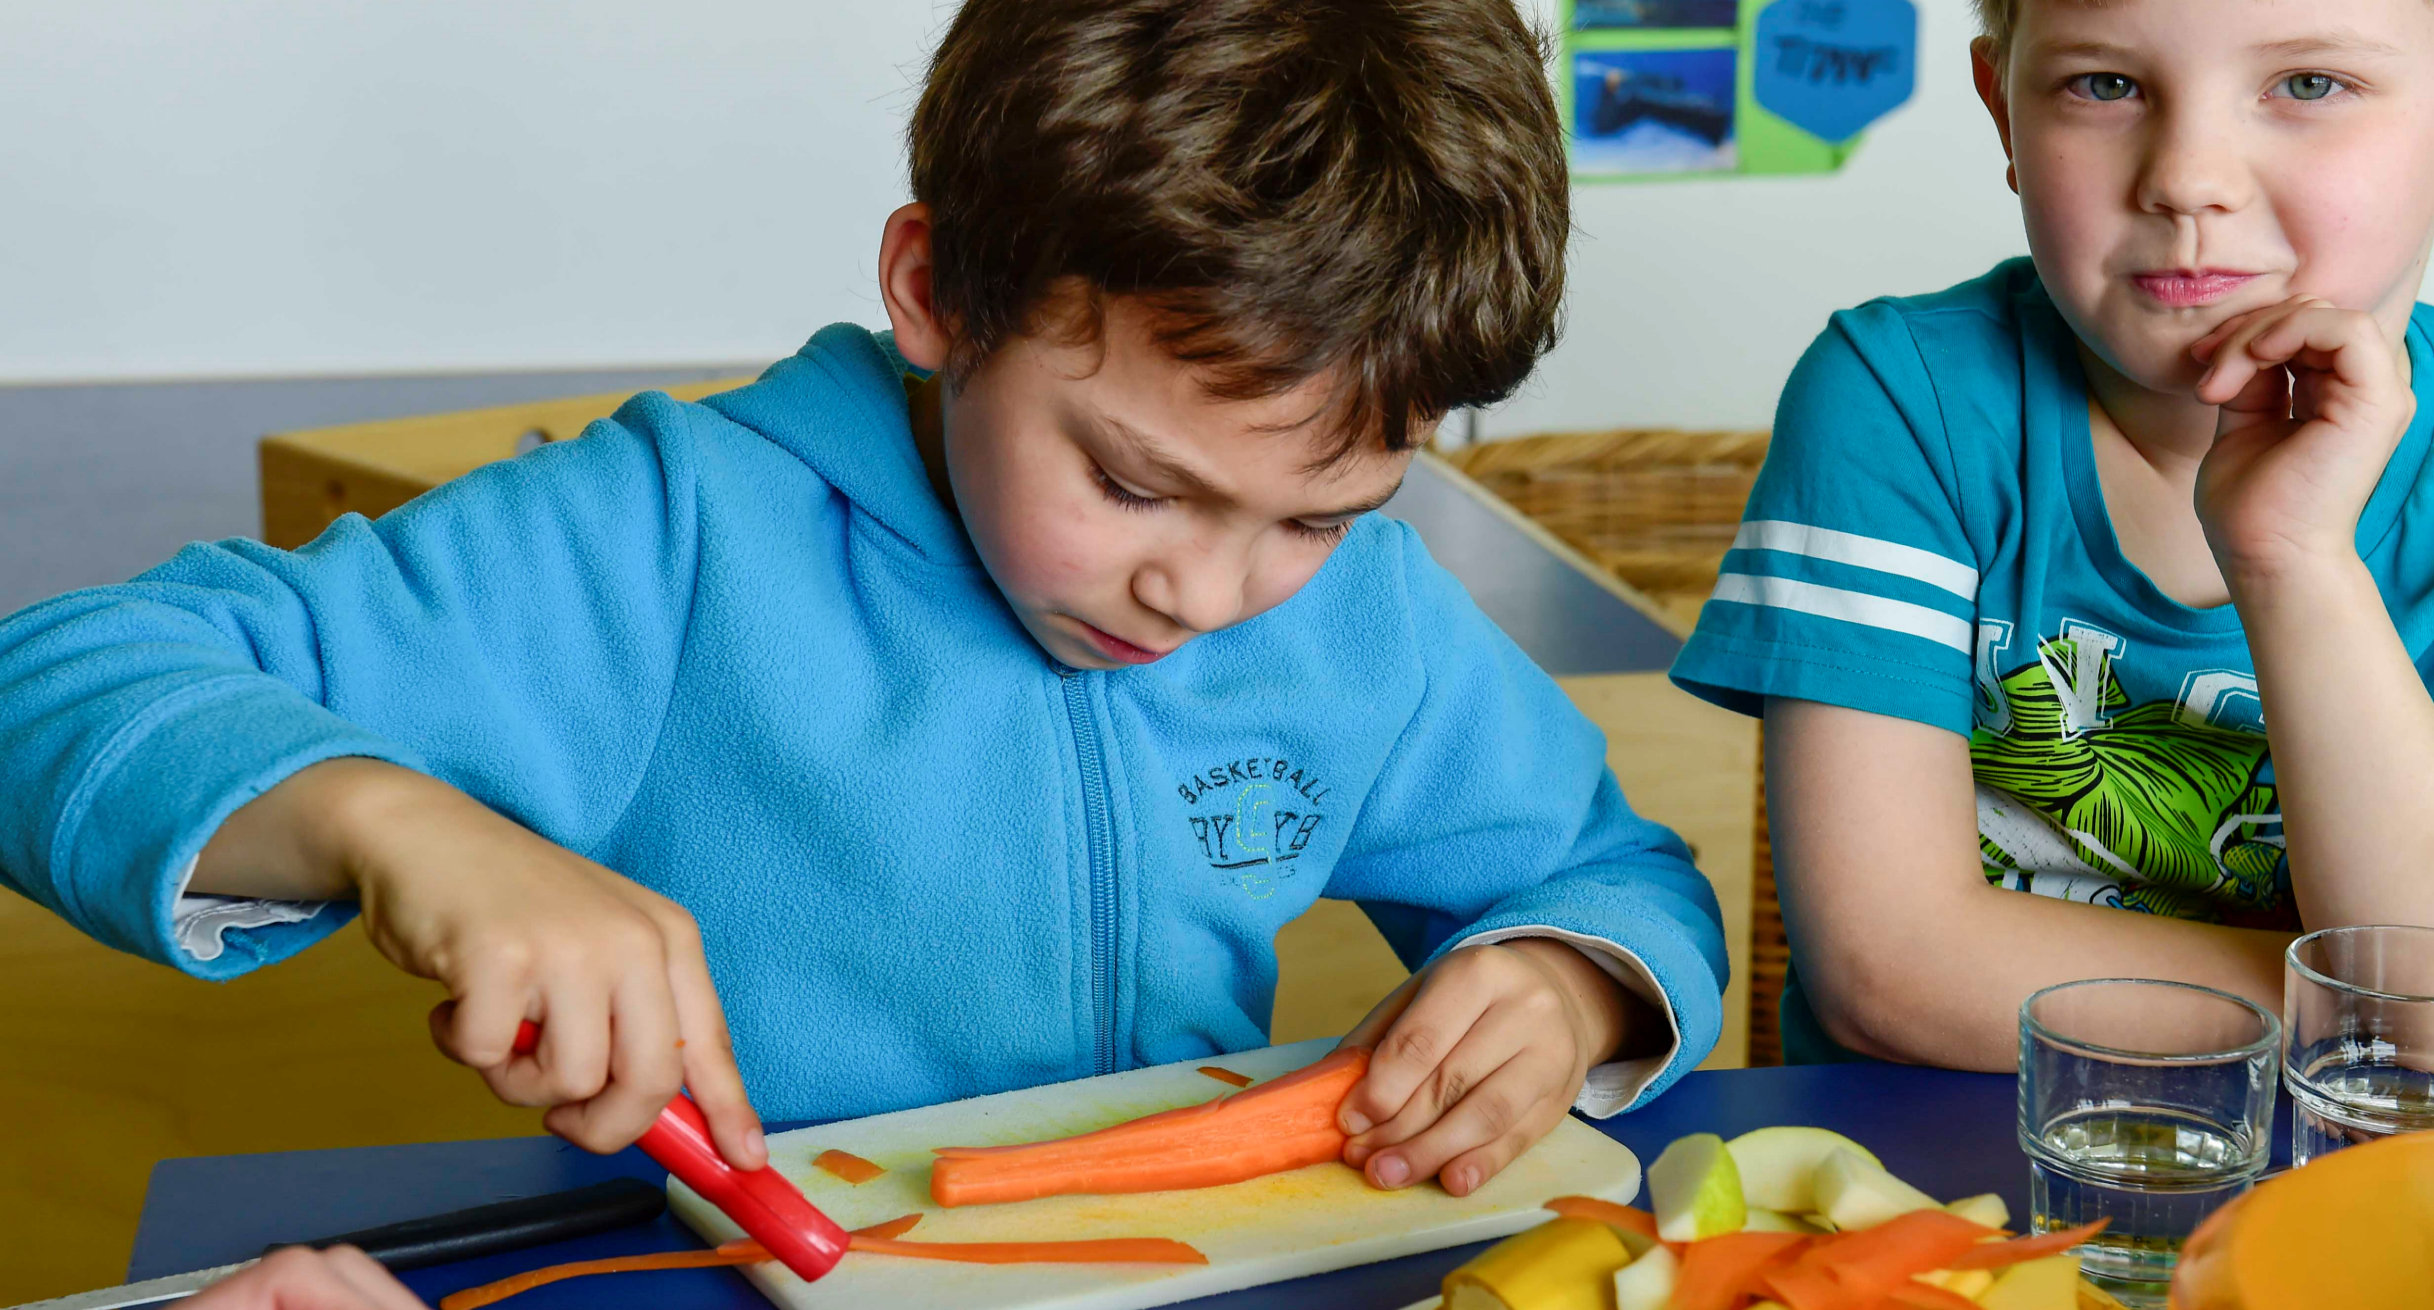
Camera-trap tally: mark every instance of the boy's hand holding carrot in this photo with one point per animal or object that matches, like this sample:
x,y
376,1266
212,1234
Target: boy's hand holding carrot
x,y
517,928
1479,1055
2314,399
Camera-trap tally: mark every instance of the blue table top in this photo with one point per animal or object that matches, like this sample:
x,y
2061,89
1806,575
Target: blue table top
x,y
1949,1133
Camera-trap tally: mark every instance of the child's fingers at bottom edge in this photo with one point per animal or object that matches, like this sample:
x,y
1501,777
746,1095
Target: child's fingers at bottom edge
x,y
1485,1130
379,1287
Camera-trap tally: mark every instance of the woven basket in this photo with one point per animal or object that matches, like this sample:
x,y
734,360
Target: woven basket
x,y
1659,508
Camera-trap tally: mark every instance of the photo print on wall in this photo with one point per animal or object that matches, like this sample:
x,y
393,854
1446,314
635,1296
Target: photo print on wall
x,y
1680,89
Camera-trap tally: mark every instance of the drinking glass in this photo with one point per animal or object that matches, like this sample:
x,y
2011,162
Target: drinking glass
x,y
2360,1063
2146,1104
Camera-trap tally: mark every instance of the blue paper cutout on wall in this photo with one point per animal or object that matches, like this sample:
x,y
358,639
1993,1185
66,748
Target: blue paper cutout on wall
x,y
1831,67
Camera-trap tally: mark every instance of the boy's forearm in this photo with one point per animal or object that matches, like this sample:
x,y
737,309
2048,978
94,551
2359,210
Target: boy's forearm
x,y
2352,729
1951,995
298,841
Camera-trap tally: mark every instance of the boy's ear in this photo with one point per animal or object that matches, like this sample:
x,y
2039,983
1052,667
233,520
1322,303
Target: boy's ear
x,y
904,283
1986,65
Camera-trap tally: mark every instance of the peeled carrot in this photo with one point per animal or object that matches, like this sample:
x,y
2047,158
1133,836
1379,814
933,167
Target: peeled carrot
x,y
1226,1076
1113,1250
1995,1255
1927,1296
1605,1212
1720,1272
1283,1124
852,1168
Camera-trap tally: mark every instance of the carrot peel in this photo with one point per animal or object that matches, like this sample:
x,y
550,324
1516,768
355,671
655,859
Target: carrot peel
x,y
1605,1212
848,1166
1226,1076
1285,1123
1995,1255
742,1251
1719,1272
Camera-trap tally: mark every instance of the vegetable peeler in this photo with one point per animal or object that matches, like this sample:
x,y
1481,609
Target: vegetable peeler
x,y
767,1207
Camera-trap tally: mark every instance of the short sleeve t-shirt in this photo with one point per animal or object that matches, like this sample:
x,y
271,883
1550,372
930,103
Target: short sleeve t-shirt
x,y
1929,540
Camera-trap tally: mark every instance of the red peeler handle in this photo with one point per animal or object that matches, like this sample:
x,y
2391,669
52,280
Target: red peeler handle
x,y
761,1202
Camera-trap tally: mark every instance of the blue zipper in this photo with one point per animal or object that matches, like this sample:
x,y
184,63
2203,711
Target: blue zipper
x,y
1101,839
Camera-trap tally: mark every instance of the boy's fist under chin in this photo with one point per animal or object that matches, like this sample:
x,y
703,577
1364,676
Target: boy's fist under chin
x,y
1478,1056
2313,400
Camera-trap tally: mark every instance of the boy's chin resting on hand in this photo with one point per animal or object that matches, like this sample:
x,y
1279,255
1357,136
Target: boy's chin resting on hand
x,y
1479,1055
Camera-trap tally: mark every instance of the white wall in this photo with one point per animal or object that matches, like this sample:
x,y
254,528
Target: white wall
x,y
268,187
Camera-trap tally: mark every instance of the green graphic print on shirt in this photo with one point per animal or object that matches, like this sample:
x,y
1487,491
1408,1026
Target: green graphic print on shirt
x,y
2086,797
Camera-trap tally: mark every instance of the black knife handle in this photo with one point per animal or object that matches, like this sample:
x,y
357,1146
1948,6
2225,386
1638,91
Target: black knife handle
x,y
505,1225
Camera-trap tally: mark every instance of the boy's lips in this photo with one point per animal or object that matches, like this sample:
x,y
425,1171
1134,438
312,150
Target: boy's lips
x,y
2188,288
1118,649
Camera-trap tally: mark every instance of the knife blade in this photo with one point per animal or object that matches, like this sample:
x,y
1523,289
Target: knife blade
x,y
414,1243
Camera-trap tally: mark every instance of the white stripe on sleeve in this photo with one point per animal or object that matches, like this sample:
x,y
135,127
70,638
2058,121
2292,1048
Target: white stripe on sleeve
x,y
1863,552
1848,606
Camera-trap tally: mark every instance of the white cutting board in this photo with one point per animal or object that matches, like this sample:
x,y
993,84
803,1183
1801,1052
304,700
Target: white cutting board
x,y
1266,1230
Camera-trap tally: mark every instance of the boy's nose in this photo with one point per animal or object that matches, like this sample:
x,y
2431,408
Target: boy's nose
x,y
2193,166
1198,588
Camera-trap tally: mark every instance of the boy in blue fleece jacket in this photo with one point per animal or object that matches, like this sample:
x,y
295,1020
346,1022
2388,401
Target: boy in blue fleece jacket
x,y
966,708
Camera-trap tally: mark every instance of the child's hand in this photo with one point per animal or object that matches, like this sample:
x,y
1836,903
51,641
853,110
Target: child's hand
x,y
2313,403
520,928
1474,1059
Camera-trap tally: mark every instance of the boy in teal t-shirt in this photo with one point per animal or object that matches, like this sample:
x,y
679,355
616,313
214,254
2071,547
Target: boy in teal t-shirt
x,y
2034,560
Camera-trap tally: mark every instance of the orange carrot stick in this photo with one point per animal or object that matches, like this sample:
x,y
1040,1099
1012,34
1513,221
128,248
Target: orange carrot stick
x,y
1995,1255
1113,1250
1605,1212
1282,1124
852,1168
1226,1076
1719,1272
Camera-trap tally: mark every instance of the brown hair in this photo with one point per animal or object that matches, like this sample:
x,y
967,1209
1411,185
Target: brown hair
x,y
1997,18
1372,188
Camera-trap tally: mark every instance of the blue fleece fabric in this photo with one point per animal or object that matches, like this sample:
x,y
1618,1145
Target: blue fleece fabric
x,y
738,651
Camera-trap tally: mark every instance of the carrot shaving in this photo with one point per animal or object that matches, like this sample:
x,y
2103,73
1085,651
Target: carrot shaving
x,y
1806,1287
1605,1212
1114,1250
742,1251
1226,1076
1285,1123
1995,1255
1719,1273
852,1168
473,1298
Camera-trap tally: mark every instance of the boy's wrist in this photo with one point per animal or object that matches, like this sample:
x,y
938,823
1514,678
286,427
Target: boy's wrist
x,y
1604,1006
2310,576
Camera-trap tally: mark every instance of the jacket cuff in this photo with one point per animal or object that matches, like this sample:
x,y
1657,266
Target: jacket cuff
x,y
1610,1088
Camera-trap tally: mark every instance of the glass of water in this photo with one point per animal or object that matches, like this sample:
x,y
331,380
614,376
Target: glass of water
x,y
2360,1064
2146,1104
